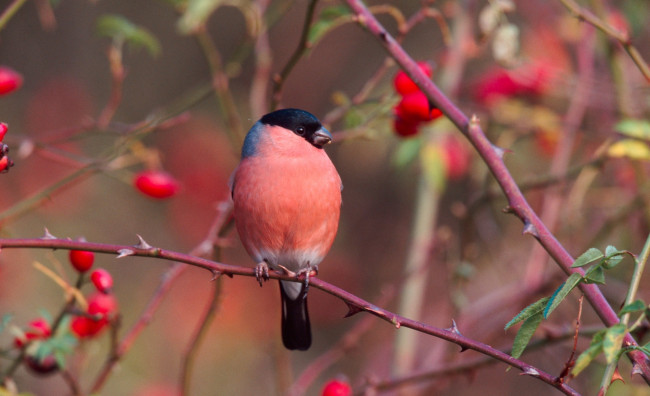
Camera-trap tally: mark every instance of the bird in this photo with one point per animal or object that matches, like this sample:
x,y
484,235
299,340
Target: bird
x,y
286,196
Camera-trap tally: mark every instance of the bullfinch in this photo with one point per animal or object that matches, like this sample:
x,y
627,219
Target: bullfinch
x,y
287,200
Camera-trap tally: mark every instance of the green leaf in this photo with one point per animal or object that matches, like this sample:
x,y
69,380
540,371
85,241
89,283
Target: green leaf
x,y
613,257
639,129
595,274
636,306
531,310
525,333
613,341
611,251
196,14
629,148
587,257
330,18
586,357
119,28
562,292
407,152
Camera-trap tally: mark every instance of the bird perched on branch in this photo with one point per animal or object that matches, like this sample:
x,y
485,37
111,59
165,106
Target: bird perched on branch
x,y
287,201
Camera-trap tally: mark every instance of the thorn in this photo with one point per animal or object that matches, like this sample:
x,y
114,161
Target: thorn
x,y
474,121
454,328
48,235
636,369
530,229
215,275
142,244
396,323
530,371
500,151
352,310
617,376
508,210
124,253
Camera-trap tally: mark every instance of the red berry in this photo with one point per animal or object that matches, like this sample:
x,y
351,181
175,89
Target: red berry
x,y
37,329
3,130
156,184
10,80
457,157
403,83
415,107
102,280
336,388
44,366
102,304
81,260
405,128
5,163
84,327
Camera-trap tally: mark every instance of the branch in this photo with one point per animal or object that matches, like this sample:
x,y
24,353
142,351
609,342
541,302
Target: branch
x,y
493,157
354,303
585,15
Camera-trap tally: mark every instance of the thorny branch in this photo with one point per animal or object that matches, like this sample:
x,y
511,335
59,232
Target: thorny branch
x,y
354,303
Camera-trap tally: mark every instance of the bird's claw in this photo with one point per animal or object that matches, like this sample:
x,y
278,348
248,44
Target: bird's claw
x,y
262,272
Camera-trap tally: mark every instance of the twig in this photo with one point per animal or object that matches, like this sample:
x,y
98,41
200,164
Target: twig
x,y
493,158
572,361
10,11
220,84
195,342
553,200
263,62
117,77
303,46
587,16
448,369
355,303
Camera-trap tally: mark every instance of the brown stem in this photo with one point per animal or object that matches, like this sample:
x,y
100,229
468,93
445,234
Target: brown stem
x,y
493,157
355,303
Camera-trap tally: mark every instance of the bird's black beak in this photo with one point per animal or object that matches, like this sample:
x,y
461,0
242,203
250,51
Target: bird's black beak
x,y
321,137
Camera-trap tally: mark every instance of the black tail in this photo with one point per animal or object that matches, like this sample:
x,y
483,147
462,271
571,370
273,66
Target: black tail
x,y
296,331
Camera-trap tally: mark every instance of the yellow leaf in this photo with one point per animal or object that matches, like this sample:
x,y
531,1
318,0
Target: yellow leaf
x,y
629,148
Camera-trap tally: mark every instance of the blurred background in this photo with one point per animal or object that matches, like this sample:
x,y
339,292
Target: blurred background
x,y
478,267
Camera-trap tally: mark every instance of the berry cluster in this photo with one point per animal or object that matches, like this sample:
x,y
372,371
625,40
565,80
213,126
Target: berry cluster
x,y
414,108
102,304
44,342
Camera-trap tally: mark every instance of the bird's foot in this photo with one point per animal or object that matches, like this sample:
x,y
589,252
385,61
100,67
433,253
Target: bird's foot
x,y
262,272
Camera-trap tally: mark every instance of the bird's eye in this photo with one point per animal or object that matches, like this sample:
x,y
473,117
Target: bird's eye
x,y
300,131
